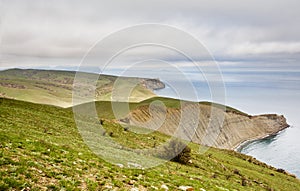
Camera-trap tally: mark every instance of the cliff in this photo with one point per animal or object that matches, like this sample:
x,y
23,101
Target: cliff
x,y
235,129
153,84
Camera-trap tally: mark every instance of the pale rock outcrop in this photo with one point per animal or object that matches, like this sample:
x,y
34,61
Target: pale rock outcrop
x,y
207,125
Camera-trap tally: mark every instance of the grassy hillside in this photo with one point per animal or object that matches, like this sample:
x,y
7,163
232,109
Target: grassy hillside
x,y
55,87
104,108
40,148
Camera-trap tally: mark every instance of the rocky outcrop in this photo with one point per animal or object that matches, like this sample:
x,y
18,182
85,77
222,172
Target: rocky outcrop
x,y
12,85
153,84
215,127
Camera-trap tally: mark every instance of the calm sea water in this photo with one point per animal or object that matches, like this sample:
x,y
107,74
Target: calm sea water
x,y
258,93
281,151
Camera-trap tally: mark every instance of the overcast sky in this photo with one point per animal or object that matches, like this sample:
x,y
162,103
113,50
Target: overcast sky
x,y
58,33
256,42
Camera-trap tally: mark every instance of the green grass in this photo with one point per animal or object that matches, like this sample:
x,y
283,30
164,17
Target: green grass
x,y
105,108
55,87
41,148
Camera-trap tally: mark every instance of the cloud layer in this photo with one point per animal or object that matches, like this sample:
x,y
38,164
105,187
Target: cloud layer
x,y
66,29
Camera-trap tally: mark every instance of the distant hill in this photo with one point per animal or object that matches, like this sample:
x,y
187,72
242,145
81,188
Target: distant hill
x,y
41,149
55,87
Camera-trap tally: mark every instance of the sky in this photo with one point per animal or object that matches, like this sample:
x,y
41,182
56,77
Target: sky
x,y
250,48
57,34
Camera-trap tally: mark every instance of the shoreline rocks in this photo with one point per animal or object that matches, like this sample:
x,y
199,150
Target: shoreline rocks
x,y
153,84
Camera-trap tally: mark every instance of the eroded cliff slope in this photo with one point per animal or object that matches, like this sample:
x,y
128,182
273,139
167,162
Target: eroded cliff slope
x,y
216,127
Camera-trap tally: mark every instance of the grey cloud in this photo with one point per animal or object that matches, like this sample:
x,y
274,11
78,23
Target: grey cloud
x,y
230,29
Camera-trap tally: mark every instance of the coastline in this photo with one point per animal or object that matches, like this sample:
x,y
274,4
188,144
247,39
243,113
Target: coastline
x,y
239,147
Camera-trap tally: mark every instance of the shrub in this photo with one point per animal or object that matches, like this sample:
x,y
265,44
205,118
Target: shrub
x,y
177,151
101,121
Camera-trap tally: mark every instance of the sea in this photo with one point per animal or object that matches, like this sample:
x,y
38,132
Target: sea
x,y
262,92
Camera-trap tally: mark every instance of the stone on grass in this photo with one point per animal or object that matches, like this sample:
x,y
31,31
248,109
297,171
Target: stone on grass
x,y
165,187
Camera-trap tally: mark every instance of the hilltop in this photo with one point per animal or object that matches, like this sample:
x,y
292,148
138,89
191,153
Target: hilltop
x,y
55,87
41,149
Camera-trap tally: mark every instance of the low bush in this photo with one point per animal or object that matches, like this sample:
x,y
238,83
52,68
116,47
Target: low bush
x,y
177,151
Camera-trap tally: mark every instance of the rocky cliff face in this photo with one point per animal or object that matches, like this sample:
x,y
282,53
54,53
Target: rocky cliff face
x,y
216,127
153,84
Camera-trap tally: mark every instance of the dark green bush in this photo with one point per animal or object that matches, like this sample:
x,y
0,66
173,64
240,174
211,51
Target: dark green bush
x,y
177,151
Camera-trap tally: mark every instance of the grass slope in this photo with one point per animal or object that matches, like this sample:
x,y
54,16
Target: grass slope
x,y
40,149
104,108
55,87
